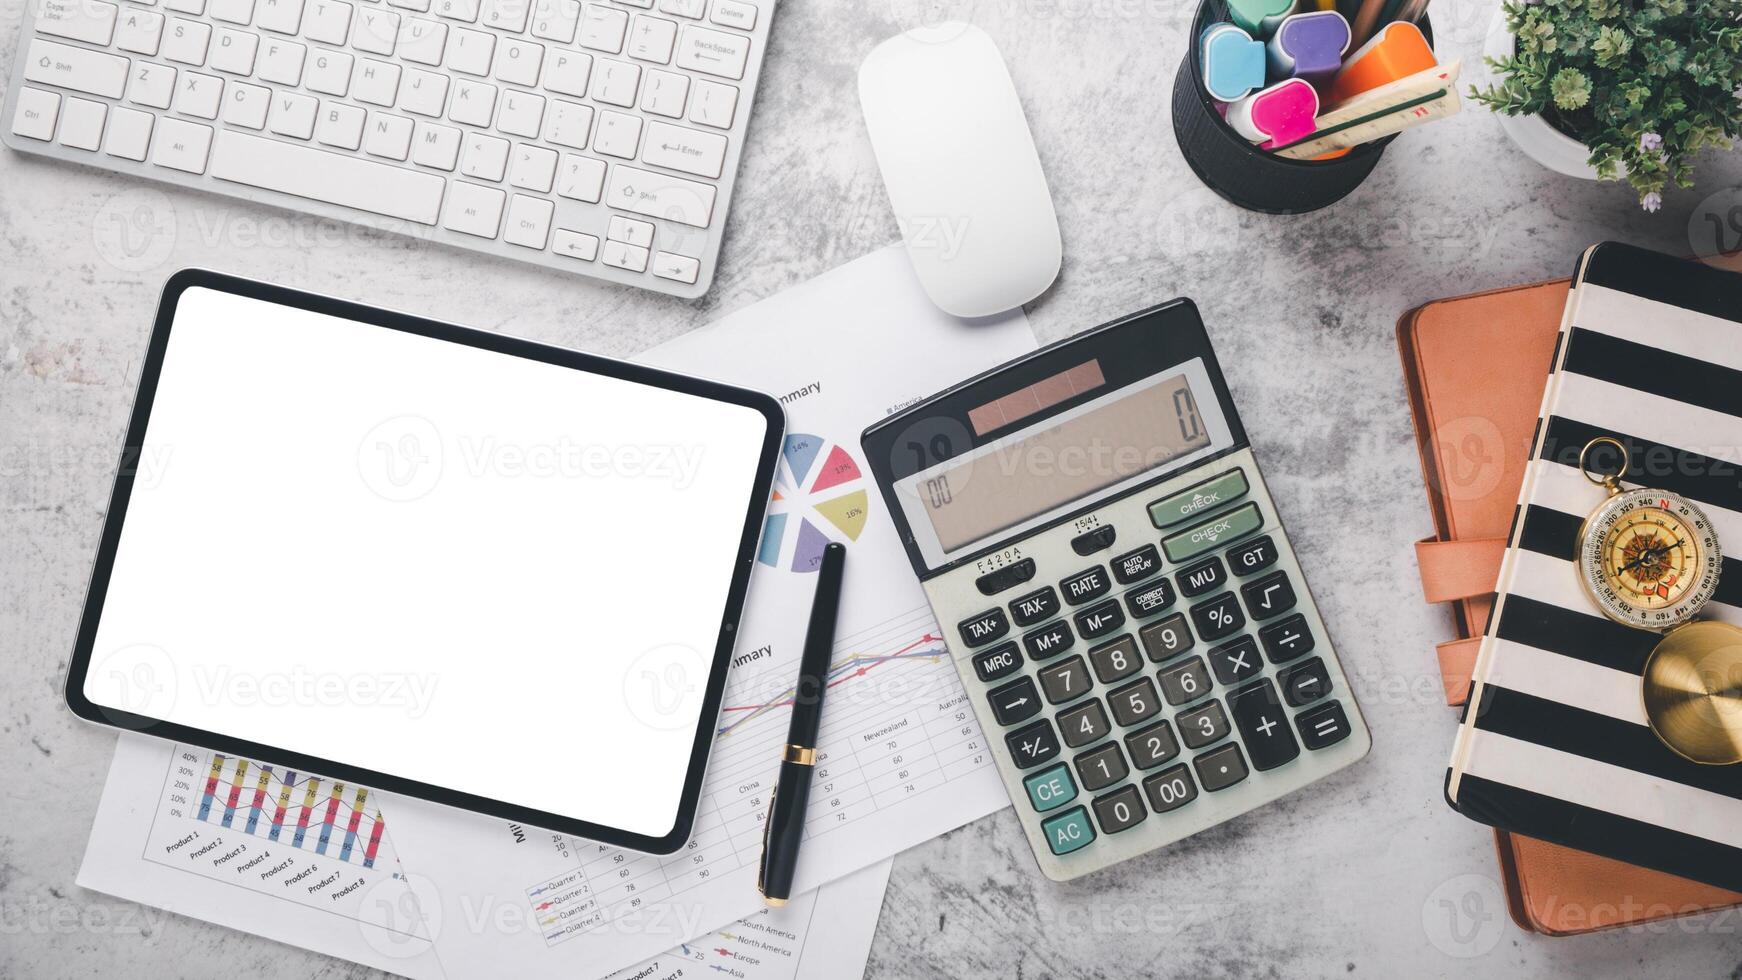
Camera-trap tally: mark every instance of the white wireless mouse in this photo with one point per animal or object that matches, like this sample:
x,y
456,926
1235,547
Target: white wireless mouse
x,y
960,167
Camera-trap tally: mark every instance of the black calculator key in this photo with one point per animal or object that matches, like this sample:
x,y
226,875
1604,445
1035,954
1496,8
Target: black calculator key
x,y
1323,726
1015,701
1065,681
1100,620
1201,726
1185,683
1152,746
1101,768
1089,542
1086,586
999,662
1119,810
1048,641
1236,660
1134,566
1150,599
1035,606
1083,724
984,628
1263,725
1008,577
1203,577
1134,703
1115,661
1218,617
1033,745
1270,596
1165,639
1286,639
1253,556
1171,788
1306,683
1222,768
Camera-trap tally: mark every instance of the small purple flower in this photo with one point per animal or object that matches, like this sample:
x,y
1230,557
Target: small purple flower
x,y
1651,202
1649,142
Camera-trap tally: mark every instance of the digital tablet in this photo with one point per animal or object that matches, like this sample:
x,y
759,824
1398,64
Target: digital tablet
x,y
440,562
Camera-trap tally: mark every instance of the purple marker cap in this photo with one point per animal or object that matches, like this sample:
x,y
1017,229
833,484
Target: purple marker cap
x,y
1309,46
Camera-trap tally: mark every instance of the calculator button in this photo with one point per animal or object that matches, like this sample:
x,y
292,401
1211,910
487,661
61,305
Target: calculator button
x,y
1253,556
1008,577
1185,683
1035,606
1014,702
1134,703
1119,810
1204,577
1305,684
997,663
1089,542
1100,620
1167,638
1134,566
1065,681
1269,596
1213,533
1222,768
1101,768
1068,832
1171,788
1086,585
1083,724
984,628
1201,726
1263,725
1218,617
1236,660
1286,639
1323,726
1195,500
1031,746
1048,641
1150,599
1152,746
1115,661
1050,789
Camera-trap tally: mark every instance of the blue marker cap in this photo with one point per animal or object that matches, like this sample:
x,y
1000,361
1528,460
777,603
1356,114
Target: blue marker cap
x,y
1233,63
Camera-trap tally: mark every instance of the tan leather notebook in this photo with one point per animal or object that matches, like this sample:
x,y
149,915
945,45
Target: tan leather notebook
x,y
1475,368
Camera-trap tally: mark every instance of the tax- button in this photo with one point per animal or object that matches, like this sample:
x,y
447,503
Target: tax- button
x,y
984,628
1050,789
1068,832
1195,500
1213,533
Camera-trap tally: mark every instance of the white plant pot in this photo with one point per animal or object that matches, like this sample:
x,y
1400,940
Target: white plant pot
x,y
1541,142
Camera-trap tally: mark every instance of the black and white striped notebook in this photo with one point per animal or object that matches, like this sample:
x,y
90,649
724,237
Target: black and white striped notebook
x,y
1554,743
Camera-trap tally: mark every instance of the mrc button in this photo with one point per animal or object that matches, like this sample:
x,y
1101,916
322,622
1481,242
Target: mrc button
x,y
1213,533
998,662
1195,500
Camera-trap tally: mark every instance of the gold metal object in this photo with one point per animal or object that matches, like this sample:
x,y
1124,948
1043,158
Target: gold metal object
x,y
803,755
1611,482
1693,692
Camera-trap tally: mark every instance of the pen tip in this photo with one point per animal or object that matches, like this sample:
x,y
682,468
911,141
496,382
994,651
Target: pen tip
x,y
774,903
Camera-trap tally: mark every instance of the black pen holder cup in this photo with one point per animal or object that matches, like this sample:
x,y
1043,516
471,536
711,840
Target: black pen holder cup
x,y
1238,170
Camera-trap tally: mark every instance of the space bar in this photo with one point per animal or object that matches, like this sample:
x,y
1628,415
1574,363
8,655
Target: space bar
x,y
375,187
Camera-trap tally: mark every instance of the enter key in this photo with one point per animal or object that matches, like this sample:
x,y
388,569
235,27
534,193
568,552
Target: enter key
x,y
686,150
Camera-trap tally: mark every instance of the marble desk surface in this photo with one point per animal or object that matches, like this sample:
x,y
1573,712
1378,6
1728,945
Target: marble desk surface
x,y
1364,874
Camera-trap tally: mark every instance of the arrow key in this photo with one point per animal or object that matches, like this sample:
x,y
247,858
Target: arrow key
x,y
1014,702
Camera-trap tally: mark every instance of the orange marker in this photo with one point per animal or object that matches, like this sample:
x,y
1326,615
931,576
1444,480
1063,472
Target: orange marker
x,y
1397,51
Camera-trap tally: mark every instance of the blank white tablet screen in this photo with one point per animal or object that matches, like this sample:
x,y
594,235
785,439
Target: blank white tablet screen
x,y
442,563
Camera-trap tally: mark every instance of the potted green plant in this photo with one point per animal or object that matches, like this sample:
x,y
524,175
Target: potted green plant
x,y
1618,89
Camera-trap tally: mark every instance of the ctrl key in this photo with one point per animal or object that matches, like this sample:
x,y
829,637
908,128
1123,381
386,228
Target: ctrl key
x,y
36,114
1069,832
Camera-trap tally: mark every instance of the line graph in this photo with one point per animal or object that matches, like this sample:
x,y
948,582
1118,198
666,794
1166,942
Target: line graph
x,y
841,671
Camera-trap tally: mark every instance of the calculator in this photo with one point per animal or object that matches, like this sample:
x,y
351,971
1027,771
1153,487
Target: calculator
x,y
1117,591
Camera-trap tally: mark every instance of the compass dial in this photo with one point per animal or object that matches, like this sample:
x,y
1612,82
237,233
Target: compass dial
x,y
1649,558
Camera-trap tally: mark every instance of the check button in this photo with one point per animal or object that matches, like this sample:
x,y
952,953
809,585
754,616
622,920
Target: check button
x,y
1199,499
1213,533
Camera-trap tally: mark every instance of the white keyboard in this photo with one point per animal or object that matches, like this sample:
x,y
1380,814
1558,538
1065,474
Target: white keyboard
x,y
598,138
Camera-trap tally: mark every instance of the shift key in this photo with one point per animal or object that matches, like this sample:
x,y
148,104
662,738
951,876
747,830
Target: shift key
x,y
660,196
81,70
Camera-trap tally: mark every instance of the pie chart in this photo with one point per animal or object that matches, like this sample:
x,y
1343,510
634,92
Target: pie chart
x,y
818,498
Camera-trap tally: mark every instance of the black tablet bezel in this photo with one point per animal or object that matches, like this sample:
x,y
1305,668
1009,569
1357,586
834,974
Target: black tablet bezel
x,y
96,591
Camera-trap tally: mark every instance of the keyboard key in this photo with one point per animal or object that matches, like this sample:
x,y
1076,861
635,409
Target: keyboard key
x,y
665,93
1218,617
528,223
327,72
1048,641
1236,660
472,52
198,95
1204,725
425,41
615,82
556,20
682,8
1119,810
1134,703
292,115
425,93
246,106
505,15
1167,638
1213,533
1086,586
568,73
81,70
474,103
984,628
660,196
1033,745
1100,620
1263,725
129,133
1050,789
602,28
1065,681
1084,724
1008,577
575,245
581,178
181,145
1195,500
1268,597
1185,683
522,114
733,13
567,124
999,662
1222,768
280,16
517,62
1304,684
35,116
1100,539
712,52
281,63
1014,702
1170,788
154,86
81,123
328,21
484,157
387,136
340,126
1152,746
90,21
436,146
1253,556
679,268
1035,606
1115,661
1150,599
1286,639
1102,767
623,255
680,148
140,31
1135,566
1323,726
186,42
473,210
1068,832
233,52
534,168
650,38
630,230
715,104
1204,577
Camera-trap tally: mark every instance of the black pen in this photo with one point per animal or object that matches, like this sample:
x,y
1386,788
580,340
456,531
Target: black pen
x,y
785,827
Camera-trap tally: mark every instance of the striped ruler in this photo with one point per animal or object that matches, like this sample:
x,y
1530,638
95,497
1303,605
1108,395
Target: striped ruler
x,y
1390,108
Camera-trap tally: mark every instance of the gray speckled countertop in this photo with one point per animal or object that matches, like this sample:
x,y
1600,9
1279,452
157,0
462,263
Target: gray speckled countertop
x,y
1364,874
